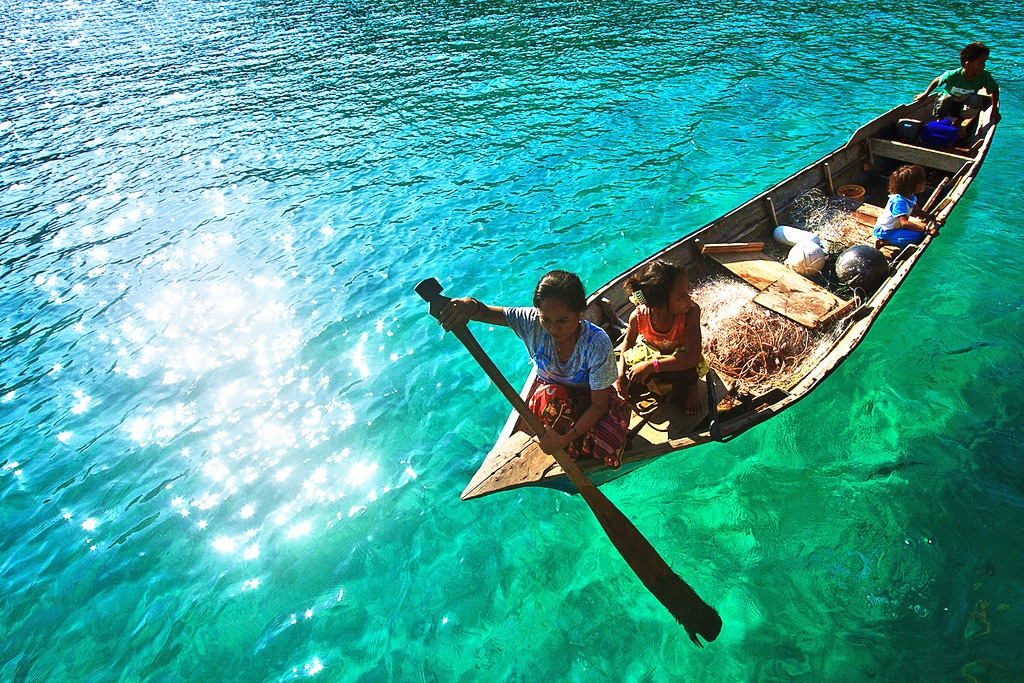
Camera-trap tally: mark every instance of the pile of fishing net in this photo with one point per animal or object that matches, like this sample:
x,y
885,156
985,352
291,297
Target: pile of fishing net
x,y
746,342
831,218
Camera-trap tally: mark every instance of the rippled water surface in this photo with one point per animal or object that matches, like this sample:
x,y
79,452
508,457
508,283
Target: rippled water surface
x,y
232,442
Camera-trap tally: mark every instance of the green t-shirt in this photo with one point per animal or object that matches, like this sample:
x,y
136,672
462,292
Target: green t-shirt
x,y
959,87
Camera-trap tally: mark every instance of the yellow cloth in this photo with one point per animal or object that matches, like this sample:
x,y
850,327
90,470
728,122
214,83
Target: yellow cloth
x,y
642,352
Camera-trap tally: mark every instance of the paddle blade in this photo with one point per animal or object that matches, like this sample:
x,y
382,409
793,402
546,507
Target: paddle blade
x,y
430,291
695,615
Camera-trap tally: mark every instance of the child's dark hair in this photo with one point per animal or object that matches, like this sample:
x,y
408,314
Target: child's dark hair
x,y
905,179
973,51
564,286
655,281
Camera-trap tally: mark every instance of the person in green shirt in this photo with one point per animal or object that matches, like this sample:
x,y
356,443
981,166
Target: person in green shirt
x,y
962,100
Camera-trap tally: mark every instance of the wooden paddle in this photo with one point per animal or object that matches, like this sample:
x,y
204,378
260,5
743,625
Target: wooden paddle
x,y
696,616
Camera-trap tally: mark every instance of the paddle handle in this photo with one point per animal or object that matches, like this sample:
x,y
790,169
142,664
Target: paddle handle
x,y
430,291
948,180
931,200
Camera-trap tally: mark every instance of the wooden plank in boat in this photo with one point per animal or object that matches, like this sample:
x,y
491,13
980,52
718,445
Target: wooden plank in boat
x,y
667,421
731,247
799,299
783,291
913,154
753,267
869,212
865,217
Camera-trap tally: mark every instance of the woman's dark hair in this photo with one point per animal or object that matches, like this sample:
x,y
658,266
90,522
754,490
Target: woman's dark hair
x,y
655,281
564,286
905,179
973,51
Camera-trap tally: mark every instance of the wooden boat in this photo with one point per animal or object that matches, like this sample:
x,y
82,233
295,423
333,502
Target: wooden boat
x,y
740,245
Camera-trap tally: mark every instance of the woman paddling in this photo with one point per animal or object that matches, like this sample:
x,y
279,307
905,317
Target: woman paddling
x,y
575,397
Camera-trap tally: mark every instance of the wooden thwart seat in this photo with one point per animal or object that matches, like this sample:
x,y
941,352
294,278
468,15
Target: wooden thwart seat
x,y
912,154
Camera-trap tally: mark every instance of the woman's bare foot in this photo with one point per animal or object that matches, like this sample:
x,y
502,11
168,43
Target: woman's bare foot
x,y
882,243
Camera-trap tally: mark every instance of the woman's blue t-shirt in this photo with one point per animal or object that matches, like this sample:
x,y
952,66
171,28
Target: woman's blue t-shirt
x,y
592,363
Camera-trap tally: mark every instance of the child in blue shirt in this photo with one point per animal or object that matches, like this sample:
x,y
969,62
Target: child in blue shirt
x,y
895,227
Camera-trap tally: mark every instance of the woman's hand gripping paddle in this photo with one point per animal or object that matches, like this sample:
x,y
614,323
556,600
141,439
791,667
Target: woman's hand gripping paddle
x,y
696,616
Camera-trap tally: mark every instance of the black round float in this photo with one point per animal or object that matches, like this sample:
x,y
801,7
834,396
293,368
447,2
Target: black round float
x,y
862,266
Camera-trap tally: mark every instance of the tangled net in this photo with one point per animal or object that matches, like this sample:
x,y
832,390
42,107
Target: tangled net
x,y
748,343
830,217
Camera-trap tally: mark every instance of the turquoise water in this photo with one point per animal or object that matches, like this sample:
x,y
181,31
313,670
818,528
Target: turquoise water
x,y
232,442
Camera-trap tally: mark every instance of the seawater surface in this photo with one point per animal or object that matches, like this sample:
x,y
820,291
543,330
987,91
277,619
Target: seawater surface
x,y
232,441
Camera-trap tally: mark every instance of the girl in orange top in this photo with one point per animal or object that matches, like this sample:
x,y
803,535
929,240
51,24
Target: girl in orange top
x,y
662,348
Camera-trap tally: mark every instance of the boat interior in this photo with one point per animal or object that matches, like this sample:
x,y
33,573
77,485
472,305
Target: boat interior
x,y
847,188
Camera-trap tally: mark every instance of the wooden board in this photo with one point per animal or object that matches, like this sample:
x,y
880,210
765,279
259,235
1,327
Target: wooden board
x,y
913,154
755,268
799,299
783,291
864,218
731,247
668,421
870,211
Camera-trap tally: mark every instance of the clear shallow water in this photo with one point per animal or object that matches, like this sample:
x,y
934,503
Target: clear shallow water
x,y
231,442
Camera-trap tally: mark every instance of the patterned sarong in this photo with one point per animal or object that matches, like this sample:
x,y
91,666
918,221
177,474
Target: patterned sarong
x,y
559,406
